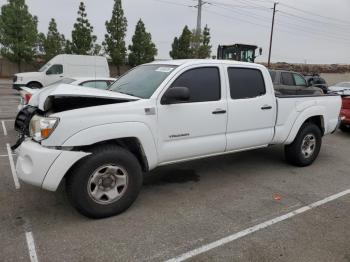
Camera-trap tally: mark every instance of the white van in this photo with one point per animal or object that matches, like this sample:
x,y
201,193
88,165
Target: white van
x,y
63,66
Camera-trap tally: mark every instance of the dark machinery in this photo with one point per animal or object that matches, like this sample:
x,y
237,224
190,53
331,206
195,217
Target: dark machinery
x,y
238,52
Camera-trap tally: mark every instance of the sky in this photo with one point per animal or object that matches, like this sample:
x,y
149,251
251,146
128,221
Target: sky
x,y
306,31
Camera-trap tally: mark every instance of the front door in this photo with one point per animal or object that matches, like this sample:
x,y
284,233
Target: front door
x,y
195,128
53,74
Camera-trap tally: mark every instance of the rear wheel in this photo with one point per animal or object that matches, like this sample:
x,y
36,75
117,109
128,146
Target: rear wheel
x,y
305,147
105,183
345,128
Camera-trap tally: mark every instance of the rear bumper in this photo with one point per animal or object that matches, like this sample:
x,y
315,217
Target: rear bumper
x,y
44,167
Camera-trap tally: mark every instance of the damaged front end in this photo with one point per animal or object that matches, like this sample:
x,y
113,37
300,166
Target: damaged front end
x,y
57,99
22,124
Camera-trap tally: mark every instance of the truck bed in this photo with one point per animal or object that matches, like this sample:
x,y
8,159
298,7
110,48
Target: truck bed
x,y
291,108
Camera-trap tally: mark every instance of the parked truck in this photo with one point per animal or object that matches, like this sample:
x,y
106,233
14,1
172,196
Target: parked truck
x,y
103,142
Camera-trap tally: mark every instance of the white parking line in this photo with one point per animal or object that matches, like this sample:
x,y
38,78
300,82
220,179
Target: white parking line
x,y
31,247
4,127
253,229
8,120
12,165
6,155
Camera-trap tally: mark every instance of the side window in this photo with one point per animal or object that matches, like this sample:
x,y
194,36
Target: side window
x,y
96,84
55,70
299,80
203,83
246,83
287,79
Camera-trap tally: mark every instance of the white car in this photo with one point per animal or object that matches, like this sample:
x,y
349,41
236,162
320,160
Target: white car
x,y
63,66
342,88
100,83
157,114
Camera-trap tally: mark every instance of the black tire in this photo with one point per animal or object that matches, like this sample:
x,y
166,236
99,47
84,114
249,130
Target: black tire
x,y
344,128
34,85
294,153
79,178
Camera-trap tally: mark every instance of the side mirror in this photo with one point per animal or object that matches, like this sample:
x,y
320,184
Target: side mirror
x,y
260,51
176,95
49,72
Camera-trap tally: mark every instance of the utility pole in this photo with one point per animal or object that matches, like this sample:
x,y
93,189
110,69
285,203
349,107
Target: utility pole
x,y
199,17
271,37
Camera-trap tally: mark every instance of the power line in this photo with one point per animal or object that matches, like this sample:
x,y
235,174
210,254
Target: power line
x,y
315,14
311,20
294,26
291,31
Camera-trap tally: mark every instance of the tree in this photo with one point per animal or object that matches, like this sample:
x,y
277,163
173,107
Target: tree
x,y
191,45
68,46
174,53
54,43
114,43
83,41
18,32
203,50
182,45
142,50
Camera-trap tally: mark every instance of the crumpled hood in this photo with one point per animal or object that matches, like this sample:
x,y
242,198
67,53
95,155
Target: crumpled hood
x,y
40,99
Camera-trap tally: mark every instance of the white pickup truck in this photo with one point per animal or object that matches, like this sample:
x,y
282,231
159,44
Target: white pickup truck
x,y
103,142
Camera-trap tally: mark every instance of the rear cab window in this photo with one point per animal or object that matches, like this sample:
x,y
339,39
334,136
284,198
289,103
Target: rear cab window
x,y
287,79
246,83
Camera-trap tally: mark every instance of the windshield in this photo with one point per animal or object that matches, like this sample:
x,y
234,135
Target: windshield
x,y
142,81
44,67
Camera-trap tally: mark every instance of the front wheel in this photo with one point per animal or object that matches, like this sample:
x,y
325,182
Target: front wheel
x,y
105,183
305,147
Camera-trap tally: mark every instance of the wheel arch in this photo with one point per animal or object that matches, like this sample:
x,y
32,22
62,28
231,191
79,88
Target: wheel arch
x,y
132,144
315,116
34,82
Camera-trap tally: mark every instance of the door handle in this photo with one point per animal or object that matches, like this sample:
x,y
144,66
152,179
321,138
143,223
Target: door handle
x,y
219,111
266,107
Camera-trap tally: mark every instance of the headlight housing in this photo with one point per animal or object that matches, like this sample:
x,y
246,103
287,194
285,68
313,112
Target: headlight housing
x,y
41,128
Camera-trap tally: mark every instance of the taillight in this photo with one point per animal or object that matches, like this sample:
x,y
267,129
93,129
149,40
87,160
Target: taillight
x,y
27,97
346,102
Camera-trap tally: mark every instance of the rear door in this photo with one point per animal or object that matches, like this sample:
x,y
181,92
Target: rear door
x,y
251,108
197,127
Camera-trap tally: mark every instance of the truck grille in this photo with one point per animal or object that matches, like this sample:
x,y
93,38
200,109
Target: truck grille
x,y
23,119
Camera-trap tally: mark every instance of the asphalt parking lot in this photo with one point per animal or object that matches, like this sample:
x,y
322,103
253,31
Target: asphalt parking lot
x,y
228,208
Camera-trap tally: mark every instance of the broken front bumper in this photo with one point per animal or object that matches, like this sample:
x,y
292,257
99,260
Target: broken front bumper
x,y
44,167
